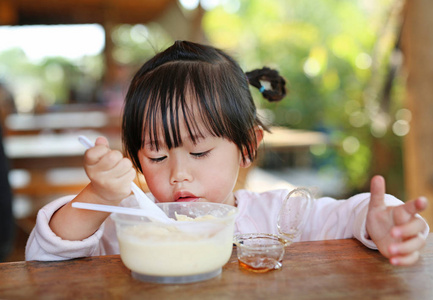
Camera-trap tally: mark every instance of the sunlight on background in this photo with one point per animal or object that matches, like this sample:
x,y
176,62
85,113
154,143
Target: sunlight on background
x,y
335,56
69,41
40,44
230,6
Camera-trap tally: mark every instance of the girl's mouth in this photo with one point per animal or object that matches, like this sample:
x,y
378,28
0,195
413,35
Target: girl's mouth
x,y
183,196
187,199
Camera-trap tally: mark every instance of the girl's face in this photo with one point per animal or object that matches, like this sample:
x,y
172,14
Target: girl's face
x,y
205,171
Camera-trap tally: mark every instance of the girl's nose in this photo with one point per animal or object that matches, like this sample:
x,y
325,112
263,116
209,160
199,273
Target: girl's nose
x,y
180,172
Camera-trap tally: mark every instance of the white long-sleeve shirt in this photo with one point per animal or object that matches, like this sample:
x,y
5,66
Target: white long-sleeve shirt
x,y
258,213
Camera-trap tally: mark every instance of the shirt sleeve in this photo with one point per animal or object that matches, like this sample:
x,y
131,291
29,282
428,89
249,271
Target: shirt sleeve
x,y
328,219
337,219
44,245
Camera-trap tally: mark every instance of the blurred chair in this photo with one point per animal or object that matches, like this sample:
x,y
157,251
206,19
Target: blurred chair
x,y
7,224
7,103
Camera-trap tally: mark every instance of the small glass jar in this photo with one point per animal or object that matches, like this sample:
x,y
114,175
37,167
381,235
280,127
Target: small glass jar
x,y
260,252
263,252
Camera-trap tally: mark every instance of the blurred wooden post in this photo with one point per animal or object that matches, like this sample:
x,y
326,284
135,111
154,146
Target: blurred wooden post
x,y
183,26
417,44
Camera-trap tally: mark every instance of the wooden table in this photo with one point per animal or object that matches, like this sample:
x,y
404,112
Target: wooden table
x,y
336,269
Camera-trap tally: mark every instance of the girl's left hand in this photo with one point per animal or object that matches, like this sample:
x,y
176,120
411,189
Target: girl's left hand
x,y
396,230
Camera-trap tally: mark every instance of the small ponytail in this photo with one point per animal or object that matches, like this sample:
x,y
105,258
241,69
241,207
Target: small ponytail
x,y
269,82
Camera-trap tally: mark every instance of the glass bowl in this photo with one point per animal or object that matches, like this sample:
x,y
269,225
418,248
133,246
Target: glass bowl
x,y
260,252
164,253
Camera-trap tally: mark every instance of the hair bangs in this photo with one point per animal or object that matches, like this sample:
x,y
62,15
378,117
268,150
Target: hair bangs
x,y
191,85
186,96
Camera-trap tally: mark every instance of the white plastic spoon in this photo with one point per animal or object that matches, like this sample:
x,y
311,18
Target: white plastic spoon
x,y
144,202
191,227
119,209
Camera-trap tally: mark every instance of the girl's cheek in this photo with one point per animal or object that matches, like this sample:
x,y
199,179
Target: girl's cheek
x,y
157,190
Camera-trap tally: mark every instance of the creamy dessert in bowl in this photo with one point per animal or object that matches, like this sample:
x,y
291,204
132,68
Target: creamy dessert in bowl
x,y
194,249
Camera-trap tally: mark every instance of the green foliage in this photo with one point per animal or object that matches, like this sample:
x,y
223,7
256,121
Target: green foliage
x,y
133,44
328,52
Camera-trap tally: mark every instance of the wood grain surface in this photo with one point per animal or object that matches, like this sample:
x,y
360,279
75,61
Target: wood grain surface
x,y
335,269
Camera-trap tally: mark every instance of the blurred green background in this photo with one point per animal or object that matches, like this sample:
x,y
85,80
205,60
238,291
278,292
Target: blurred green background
x,y
340,59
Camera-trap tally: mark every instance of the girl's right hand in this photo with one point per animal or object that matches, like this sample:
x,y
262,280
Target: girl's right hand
x,y
109,172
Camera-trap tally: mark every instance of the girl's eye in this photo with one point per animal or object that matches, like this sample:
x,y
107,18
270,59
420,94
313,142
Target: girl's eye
x,y
201,154
157,159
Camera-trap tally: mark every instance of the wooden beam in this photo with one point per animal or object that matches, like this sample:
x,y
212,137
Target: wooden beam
x,y
8,13
417,45
29,12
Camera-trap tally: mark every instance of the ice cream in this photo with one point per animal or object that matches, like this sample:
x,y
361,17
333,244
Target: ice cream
x,y
166,251
162,250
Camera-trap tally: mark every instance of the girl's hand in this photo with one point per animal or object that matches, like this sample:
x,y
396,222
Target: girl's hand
x,y
110,173
395,230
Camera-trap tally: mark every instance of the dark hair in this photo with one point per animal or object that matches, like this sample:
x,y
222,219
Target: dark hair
x,y
278,83
159,90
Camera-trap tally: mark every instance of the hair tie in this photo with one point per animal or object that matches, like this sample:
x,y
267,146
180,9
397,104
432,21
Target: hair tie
x,y
262,89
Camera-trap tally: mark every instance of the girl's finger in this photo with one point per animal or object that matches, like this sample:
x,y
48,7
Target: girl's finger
x,y
101,141
406,247
410,229
95,154
421,204
130,175
405,260
415,206
377,192
110,160
122,167
404,213
122,184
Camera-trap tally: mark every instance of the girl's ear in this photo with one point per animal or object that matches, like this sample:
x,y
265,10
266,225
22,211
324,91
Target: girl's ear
x,y
259,137
259,134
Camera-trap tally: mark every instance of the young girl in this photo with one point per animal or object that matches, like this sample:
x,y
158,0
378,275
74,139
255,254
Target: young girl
x,y
189,124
